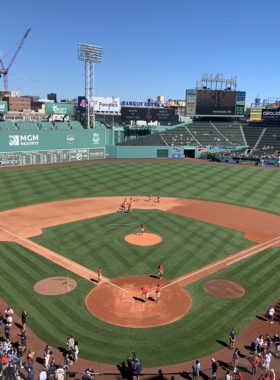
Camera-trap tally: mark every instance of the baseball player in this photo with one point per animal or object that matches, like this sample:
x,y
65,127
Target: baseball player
x,y
160,271
129,208
146,293
130,200
99,274
150,197
158,198
122,207
158,293
137,197
142,229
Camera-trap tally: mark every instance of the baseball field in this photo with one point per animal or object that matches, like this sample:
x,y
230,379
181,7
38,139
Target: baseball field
x,y
216,222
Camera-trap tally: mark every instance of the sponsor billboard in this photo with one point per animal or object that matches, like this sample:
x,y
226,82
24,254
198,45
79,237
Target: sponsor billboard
x,y
215,102
270,113
176,155
3,107
59,109
147,114
176,149
101,104
145,104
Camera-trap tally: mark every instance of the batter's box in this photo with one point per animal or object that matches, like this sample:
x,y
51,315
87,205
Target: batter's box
x,y
138,303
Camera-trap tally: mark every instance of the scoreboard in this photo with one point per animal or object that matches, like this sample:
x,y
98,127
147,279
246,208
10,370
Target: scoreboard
x,y
50,156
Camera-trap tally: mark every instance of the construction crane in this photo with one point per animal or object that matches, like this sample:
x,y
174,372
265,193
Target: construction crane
x,y
4,71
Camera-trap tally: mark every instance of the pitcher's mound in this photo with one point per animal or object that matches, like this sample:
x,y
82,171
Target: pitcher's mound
x,y
54,286
146,239
224,289
120,302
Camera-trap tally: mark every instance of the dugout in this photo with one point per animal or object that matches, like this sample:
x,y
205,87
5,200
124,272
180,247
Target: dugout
x,y
189,153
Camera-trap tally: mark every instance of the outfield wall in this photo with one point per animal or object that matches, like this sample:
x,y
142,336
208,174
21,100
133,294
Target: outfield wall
x,y
48,146
120,151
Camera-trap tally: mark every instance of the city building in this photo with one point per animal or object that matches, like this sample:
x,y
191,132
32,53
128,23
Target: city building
x,y
52,96
17,104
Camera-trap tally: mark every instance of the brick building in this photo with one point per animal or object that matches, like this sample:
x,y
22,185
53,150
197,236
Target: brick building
x,y
17,104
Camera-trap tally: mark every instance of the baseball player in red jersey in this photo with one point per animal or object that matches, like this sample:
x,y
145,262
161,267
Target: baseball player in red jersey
x,y
130,200
137,197
145,292
129,208
99,274
158,292
150,197
142,228
122,206
160,271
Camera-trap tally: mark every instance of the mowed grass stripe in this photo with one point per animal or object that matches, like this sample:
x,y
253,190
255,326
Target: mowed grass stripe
x,y
189,243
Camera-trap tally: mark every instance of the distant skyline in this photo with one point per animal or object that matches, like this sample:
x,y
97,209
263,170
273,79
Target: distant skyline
x,y
151,48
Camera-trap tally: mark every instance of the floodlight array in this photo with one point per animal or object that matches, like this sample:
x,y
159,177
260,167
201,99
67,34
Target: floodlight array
x,y
90,53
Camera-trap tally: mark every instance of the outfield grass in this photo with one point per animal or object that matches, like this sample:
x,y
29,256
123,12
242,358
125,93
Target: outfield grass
x,y
54,317
245,186
187,244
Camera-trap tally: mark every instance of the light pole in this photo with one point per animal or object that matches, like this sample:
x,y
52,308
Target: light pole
x,y
90,54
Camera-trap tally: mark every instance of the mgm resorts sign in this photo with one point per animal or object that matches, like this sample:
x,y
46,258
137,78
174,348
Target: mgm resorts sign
x,y
23,140
271,113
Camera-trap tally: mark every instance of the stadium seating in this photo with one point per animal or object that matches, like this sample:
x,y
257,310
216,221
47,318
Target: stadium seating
x,y
60,125
75,124
269,143
178,136
7,125
153,140
26,126
252,134
231,131
207,134
45,125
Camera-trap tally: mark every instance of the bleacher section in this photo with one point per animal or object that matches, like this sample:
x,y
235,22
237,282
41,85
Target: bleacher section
x,y
61,125
7,125
26,126
269,143
252,134
207,134
45,125
153,140
231,131
75,124
178,136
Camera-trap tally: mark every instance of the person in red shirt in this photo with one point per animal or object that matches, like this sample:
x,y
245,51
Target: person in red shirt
x,y
137,197
158,292
145,292
5,363
142,228
99,274
150,197
130,199
160,271
266,377
129,208
122,207
238,375
255,363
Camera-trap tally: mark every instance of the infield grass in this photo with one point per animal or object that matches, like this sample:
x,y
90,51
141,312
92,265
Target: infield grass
x,y
187,244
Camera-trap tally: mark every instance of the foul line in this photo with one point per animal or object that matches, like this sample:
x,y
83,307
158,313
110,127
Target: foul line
x,y
256,248
61,258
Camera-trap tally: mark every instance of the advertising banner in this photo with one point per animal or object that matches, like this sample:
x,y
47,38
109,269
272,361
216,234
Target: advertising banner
x,y
176,155
269,113
59,109
3,107
176,149
191,102
147,114
101,104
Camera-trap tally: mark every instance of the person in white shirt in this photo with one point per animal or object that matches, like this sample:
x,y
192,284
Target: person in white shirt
x,y
42,374
267,361
270,314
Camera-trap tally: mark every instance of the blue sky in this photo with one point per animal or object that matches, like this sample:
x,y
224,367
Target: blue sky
x,y
151,47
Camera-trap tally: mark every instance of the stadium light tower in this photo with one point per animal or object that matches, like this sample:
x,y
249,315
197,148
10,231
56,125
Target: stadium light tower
x,y
90,54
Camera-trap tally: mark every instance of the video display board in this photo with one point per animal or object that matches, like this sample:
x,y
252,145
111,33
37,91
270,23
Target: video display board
x,y
215,103
146,114
50,156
